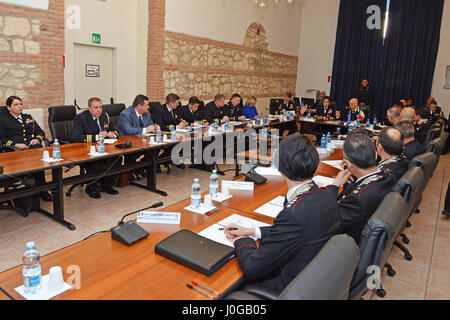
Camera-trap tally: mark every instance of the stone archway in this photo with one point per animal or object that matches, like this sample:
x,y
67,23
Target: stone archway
x,y
256,37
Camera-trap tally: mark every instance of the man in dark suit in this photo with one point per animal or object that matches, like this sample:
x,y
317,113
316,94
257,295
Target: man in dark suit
x,y
214,110
22,132
233,109
435,112
309,219
190,113
166,116
136,119
326,112
411,147
87,127
357,112
422,124
390,149
365,185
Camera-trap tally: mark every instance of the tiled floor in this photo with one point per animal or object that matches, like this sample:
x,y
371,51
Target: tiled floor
x,y
425,277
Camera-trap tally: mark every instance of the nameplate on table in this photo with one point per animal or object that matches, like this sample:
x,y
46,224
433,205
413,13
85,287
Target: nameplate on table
x,y
97,154
238,185
158,217
272,208
110,141
51,160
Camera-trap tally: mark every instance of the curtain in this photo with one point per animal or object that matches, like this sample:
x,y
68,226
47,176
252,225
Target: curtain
x,y
402,67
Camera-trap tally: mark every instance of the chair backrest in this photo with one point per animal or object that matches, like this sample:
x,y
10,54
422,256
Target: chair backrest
x,y
153,106
308,102
410,187
113,111
328,275
436,146
432,133
60,122
3,110
377,239
297,101
428,163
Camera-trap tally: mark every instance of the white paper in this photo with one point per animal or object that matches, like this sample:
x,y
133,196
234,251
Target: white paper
x,y
237,185
149,134
183,130
44,293
110,141
335,164
158,217
264,171
322,181
213,232
96,154
201,210
272,208
221,198
51,160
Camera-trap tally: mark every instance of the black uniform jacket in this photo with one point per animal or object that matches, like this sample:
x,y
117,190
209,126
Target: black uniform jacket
x,y
232,112
395,166
360,200
184,113
212,112
85,128
329,113
164,118
298,233
13,132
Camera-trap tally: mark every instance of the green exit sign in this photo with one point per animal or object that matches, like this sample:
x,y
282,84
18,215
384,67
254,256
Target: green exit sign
x,y
96,38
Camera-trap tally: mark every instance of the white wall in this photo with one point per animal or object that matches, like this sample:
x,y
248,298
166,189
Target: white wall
x,y
317,42
228,21
443,60
116,21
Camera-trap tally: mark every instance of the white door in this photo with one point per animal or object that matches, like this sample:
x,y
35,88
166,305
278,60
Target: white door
x,y
94,74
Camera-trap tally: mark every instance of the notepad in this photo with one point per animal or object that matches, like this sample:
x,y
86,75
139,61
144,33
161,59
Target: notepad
x,y
97,154
51,160
322,181
335,164
213,233
272,208
202,209
267,171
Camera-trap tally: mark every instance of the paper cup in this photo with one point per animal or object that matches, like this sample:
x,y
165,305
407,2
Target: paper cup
x,y
208,201
46,155
152,140
225,191
93,150
55,279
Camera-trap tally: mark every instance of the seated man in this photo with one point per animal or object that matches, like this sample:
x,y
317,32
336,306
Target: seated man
x,y
390,148
166,116
190,113
214,110
411,147
365,185
136,119
233,109
309,219
408,114
435,112
393,115
87,127
287,105
422,124
21,131
353,112
326,112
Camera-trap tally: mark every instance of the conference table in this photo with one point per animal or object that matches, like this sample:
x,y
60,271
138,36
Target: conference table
x,y
112,270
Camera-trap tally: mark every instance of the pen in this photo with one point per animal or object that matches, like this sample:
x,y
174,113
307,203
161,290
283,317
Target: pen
x,y
206,288
211,212
199,291
231,229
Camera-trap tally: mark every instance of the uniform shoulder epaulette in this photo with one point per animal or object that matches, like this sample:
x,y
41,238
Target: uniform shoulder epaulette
x,y
365,184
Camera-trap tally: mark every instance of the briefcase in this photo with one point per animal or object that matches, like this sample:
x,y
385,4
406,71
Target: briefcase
x,y
195,252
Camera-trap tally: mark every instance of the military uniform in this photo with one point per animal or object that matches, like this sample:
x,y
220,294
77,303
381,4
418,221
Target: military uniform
x,y
397,166
365,95
421,128
13,132
309,219
360,200
434,116
412,149
232,112
355,114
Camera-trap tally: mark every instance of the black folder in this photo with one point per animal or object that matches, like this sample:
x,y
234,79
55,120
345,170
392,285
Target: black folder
x,y
195,252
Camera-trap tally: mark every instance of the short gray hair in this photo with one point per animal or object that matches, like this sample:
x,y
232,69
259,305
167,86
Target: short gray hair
x,y
406,128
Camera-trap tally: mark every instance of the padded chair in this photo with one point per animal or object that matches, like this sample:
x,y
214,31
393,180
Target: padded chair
x,y
113,111
436,146
376,242
297,102
326,277
432,133
153,106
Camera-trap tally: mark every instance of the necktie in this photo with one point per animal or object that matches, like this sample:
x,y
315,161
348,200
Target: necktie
x,y
19,119
141,123
98,124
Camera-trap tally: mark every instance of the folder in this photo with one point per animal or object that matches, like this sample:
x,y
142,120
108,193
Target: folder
x,y
195,252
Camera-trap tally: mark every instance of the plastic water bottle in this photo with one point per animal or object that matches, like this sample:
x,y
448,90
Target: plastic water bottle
x,y
274,165
309,115
375,121
323,142
214,184
101,144
368,123
357,122
31,269
258,120
158,135
56,150
196,194
216,126
227,125
172,134
328,138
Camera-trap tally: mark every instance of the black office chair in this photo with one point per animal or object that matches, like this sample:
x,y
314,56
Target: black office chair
x,y
297,102
152,107
326,277
432,133
436,146
376,243
60,122
113,111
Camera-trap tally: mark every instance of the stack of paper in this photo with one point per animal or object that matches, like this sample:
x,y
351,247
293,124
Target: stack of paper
x,y
267,171
335,164
272,208
201,210
213,232
322,181
110,141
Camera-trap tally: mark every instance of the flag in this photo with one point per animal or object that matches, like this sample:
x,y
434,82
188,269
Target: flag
x,y
362,116
349,119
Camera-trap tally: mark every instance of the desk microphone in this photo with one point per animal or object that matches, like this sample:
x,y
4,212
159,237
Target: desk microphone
x,y
130,232
126,145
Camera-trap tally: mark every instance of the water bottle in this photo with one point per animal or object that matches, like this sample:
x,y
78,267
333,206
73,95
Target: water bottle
x,y
172,134
258,120
56,150
216,126
357,122
31,269
274,165
328,138
375,121
158,135
226,125
196,194
101,144
309,115
214,184
323,142
368,123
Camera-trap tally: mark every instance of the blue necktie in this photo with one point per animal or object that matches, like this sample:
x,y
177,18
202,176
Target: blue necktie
x,y
141,124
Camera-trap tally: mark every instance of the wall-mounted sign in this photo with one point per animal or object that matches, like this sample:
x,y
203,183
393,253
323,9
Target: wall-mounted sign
x,y
35,4
447,78
92,71
96,38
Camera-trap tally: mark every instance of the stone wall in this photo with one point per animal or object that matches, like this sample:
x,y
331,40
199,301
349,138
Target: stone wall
x,y
203,67
31,55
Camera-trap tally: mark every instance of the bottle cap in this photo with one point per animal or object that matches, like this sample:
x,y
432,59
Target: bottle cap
x,y
30,245
196,180
214,171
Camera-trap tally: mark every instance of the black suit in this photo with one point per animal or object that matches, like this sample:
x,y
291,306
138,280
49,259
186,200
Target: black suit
x,y
232,112
329,112
358,201
165,118
434,116
184,113
213,112
421,130
298,233
276,108
85,129
412,149
395,166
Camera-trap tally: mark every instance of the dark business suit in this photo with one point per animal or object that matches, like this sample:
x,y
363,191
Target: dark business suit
x,y
165,118
358,201
298,233
232,112
185,113
213,112
85,129
434,116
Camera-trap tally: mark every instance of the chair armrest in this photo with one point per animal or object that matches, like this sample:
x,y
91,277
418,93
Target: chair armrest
x,y
241,295
262,293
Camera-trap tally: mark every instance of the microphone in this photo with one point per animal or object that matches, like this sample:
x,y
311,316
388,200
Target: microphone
x,y
155,205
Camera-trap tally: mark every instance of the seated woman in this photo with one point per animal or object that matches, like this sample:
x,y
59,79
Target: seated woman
x,y
249,110
309,219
